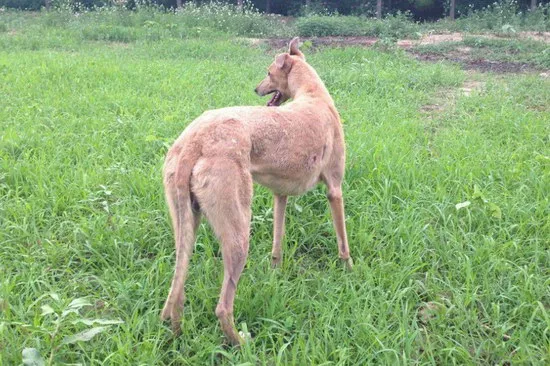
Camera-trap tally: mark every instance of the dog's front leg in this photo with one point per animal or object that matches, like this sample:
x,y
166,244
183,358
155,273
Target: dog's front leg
x,y
279,207
338,218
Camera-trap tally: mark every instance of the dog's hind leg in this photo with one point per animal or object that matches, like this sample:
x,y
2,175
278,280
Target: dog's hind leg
x,y
279,206
224,192
336,200
185,222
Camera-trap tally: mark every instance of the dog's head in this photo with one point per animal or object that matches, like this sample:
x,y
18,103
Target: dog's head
x,y
276,81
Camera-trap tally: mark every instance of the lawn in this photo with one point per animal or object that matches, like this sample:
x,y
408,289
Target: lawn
x,y
447,200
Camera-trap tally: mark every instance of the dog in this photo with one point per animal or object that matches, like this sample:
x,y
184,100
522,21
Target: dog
x,y
211,167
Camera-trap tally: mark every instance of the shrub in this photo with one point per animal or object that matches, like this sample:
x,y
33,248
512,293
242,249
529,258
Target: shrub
x,y
318,25
110,33
397,25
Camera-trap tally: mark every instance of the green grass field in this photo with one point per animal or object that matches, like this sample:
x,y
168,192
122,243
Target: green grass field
x,y
84,126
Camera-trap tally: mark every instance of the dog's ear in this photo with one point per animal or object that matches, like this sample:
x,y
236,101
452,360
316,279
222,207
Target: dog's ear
x,y
293,48
283,62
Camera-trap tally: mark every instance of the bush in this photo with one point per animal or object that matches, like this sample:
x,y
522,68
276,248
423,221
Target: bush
x,y
109,33
394,26
399,25
318,25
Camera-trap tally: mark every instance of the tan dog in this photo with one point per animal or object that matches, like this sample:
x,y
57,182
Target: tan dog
x,y
211,166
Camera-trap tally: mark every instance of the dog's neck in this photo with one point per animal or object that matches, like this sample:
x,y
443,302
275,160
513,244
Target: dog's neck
x,y
303,81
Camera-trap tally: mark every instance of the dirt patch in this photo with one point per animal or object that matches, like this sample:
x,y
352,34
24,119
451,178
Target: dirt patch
x,y
119,45
462,57
441,101
537,36
463,54
459,37
429,311
471,86
499,67
464,50
440,38
252,41
445,99
431,109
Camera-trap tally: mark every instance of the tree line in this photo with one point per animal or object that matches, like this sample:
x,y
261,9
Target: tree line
x,y
419,9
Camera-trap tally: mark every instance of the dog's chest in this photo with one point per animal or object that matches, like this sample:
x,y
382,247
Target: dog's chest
x,y
284,185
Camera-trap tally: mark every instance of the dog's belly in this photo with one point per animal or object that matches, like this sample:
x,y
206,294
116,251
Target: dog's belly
x,y
289,163
286,185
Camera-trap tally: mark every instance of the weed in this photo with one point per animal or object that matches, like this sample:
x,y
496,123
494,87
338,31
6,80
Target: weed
x,y
56,318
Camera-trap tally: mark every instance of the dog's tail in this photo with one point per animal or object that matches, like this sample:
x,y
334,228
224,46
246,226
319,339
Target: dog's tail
x,y
177,185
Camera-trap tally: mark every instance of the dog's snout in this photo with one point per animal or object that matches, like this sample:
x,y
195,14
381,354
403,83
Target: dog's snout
x,y
256,90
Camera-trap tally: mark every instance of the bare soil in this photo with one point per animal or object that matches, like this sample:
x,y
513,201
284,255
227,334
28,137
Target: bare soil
x,y
482,65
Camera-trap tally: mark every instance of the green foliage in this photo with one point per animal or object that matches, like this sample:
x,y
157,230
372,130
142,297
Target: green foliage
x,y
57,318
230,19
109,33
499,16
499,6
398,25
327,26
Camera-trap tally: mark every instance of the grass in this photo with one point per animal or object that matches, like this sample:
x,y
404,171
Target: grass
x,y
85,126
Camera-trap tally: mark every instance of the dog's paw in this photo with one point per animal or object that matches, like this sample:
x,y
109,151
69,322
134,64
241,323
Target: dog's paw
x,y
176,327
348,264
276,262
